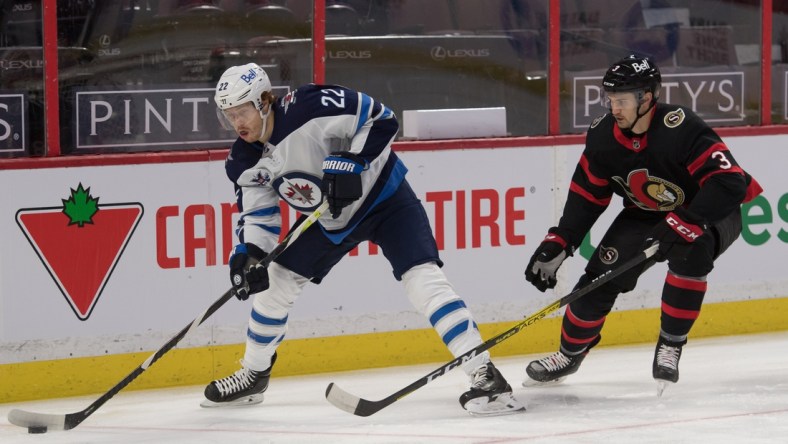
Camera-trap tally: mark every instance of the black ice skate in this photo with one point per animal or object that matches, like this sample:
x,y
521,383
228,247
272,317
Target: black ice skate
x,y
490,394
666,363
552,369
244,387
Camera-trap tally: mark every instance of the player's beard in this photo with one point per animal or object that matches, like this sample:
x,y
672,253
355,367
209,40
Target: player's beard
x,y
624,123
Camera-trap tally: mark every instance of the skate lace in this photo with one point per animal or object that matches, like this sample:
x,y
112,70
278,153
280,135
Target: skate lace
x,y
668,356
554,362
238,381
480,378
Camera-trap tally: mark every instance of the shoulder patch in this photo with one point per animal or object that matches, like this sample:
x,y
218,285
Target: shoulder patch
x,y
674,118
597,120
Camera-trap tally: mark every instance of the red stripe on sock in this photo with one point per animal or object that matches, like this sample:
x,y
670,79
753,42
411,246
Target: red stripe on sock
x,y
680,313
581,323
685,283
577,341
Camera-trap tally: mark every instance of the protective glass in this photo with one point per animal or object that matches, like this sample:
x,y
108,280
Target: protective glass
x,y
238,114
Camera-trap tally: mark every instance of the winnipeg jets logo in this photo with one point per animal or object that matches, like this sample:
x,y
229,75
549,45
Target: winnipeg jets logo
x,y
301,191
651,192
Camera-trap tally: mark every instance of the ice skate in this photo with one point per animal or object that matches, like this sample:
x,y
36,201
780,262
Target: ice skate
x,y
552,369
244,387
666,363
490,394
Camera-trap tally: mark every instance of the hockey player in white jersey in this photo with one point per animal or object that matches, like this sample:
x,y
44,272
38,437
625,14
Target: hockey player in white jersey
x,y
329,142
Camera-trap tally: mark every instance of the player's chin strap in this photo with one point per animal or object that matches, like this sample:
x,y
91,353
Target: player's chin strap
x,y
264,116
630,132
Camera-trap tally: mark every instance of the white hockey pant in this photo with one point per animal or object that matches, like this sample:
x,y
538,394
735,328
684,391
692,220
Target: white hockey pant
x,y
431,294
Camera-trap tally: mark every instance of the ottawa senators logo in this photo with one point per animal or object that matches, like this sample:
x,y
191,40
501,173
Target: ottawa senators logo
x,y
608,255
674,118
650,192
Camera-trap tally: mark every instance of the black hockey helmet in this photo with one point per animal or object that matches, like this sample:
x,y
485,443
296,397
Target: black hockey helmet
x,y
633,73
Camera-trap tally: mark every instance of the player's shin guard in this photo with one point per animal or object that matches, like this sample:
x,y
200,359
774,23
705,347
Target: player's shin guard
x,y
579,335
682,298
268,320
431,294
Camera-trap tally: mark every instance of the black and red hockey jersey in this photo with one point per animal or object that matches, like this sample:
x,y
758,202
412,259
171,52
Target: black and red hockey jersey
x,y
678,162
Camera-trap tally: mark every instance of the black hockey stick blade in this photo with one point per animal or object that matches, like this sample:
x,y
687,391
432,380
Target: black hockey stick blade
x,y
351,403
42,422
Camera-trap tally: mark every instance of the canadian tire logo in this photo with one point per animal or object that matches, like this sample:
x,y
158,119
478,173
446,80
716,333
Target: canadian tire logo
x,y
80,243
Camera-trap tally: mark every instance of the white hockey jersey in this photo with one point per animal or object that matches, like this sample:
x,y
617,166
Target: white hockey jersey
x,y
310,123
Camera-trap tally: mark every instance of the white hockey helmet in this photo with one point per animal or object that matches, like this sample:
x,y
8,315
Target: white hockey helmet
x,y
241,84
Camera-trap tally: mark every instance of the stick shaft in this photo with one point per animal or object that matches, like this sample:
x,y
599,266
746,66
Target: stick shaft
x,y
362,407
71,420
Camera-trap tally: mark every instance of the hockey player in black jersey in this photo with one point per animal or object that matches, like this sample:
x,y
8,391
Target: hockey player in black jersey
x,y
329,142
681,187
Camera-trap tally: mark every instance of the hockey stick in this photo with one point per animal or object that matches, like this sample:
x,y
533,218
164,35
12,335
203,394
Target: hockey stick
x,y
42,422
363,407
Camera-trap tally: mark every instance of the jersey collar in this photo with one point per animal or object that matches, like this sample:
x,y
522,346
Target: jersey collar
x,y
637,142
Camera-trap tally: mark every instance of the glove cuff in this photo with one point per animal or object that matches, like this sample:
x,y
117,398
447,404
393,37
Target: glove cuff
x,y
688,231
255,251
561,237
343,162
248,249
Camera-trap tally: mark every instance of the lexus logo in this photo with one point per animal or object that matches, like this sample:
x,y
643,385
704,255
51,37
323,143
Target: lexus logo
x,y
104,40
438,53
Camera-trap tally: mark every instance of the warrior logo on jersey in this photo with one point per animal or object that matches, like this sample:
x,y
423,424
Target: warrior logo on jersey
x,y
674,118
608,255
650,192
301,191
597,120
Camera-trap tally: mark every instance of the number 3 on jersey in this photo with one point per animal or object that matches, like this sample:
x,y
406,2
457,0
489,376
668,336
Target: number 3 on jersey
x,y
328,100
725,164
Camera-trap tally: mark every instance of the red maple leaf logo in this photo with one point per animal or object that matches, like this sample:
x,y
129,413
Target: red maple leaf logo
x,y
80,243
302,193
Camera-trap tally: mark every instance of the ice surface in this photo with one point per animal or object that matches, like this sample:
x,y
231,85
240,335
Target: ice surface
x,y
732,390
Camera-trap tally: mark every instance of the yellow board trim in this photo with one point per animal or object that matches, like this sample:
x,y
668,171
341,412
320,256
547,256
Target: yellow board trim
x,y
81,376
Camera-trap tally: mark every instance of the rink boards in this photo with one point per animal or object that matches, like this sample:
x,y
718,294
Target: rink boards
x,y
95,277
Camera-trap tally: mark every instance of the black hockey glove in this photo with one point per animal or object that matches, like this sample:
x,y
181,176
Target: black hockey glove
x,y
341,183
246,273
675,234
545,261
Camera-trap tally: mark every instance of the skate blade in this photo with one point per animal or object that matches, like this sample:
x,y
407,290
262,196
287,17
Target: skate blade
x,y
661,385
528,382
503,404
246,400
